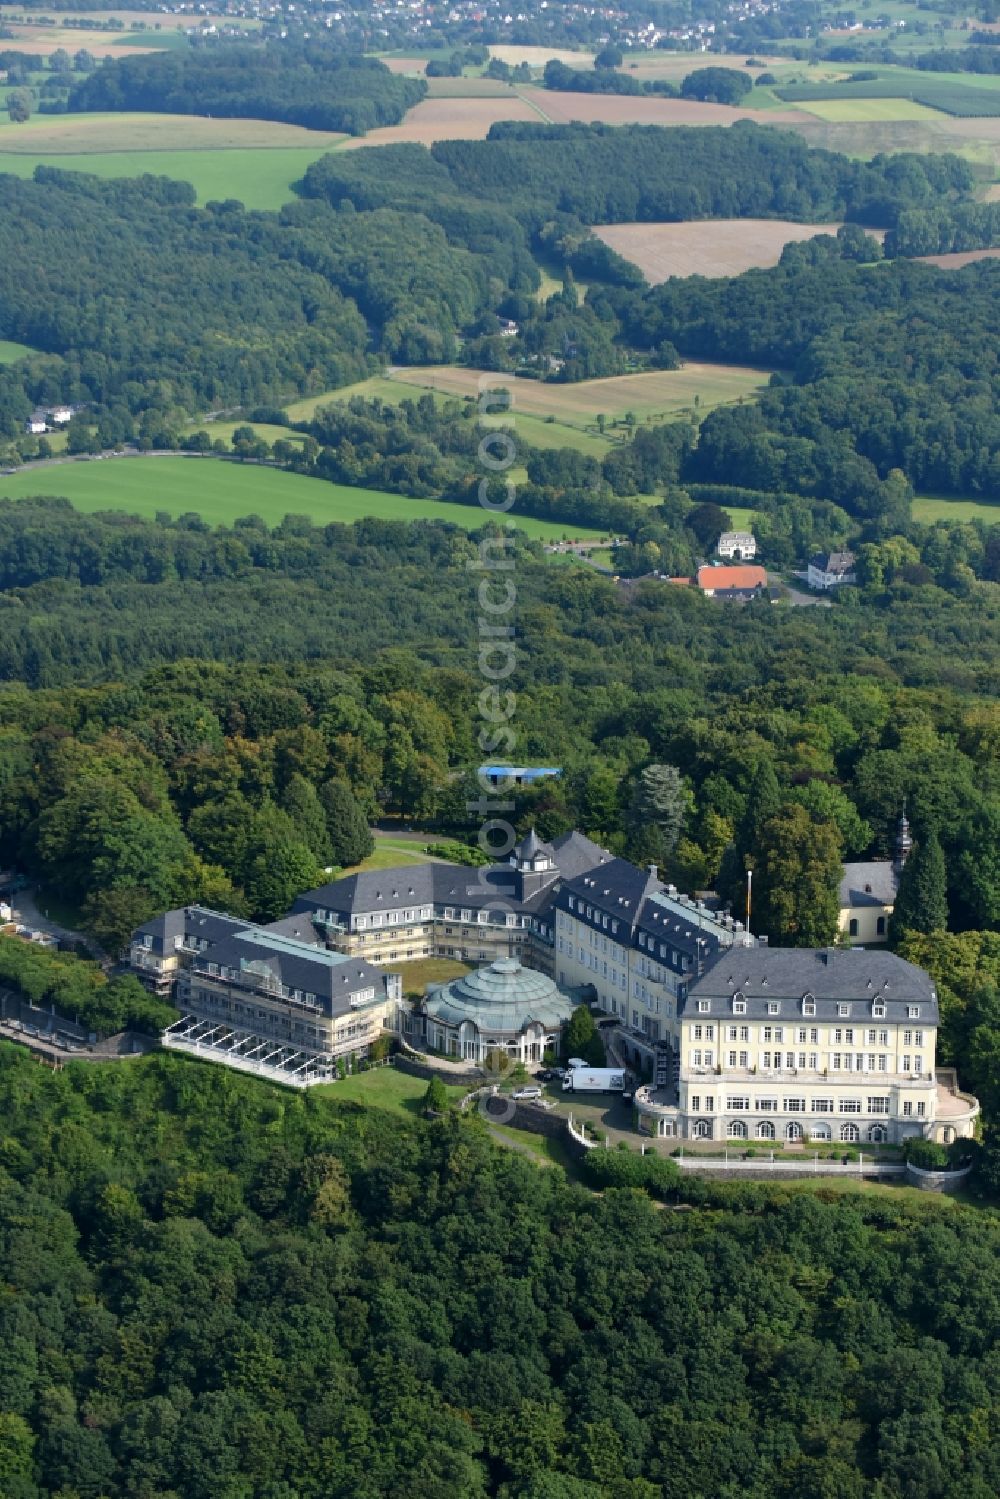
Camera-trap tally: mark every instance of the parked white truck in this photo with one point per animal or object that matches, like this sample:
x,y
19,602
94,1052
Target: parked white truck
x,y
584,1079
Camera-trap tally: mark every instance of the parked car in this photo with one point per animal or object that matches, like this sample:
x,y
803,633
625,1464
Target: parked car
x,y
549,1074
521,1095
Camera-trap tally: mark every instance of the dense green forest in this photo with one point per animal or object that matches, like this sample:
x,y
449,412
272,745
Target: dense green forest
x,y
893,366
147,304
602,174
318,87
203,710
146,311
218,1289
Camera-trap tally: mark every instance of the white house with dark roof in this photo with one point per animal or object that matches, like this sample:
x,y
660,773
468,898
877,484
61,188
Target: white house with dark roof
x,y
741,545
790,1045
831,570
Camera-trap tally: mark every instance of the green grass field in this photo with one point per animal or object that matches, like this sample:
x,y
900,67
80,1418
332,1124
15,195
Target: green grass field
x,y
425,971
386,1088
11,352
221,492
547,415
851,111
258,177
266,430
928,508
533,430
255,161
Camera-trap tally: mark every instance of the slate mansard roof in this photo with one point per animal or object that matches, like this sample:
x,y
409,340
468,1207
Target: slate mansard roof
x,y
837,563
257,954
869,884
831,976
617,889
187,925
638,900
411,885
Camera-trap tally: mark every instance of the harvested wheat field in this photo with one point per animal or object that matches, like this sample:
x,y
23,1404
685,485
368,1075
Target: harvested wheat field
x,y
448,120
658,393
42,41
677,65
405,64
958,258
624,109
469,88
537,57
85,134
707,247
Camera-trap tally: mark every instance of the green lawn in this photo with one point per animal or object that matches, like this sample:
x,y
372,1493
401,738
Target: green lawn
x,y
266,430
10,352
221,492
424,971
546,1150
928,508
386,856
386,1088
742,519
260,177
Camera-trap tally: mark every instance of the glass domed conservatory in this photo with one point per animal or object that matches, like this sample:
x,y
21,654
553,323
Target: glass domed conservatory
x,y
503,1007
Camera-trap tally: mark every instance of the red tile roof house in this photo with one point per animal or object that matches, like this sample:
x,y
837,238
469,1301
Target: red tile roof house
x,y
732,582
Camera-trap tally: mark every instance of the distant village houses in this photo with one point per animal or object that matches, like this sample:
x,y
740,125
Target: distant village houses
x,y
44,418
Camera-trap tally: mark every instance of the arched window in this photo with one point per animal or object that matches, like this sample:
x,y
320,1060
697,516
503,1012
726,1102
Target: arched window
x,y
793,1131
853,928
765,1131
877,1134
880,926
736,1129
702,1129
849,1133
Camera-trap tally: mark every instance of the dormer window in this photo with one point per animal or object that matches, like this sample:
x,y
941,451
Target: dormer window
x,y
773,1007
843,1011
739,1006
704,1006
878,1009
913,1012
808,1004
